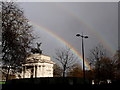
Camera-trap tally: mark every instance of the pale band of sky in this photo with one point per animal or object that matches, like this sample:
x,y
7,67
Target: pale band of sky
x,y
62,0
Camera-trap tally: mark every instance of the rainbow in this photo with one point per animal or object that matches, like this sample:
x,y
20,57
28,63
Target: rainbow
x,y
97,34
74,15
40,27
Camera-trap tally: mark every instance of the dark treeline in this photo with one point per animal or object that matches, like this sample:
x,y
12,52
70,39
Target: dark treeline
x,y
103,66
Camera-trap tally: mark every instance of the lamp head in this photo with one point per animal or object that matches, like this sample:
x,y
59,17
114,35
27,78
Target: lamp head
x,y
86,37
78,35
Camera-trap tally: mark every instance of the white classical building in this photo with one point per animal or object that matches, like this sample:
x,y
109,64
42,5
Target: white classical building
x,y
37,65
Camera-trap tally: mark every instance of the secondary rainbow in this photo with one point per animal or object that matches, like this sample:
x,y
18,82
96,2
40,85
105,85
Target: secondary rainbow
x,y
40,27
99,36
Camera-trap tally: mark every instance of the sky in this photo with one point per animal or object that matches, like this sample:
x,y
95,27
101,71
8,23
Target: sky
x,y
64,0
57,23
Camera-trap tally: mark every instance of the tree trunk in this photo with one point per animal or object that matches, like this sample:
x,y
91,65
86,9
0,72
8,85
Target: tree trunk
x,y
8,70
64,69
63,73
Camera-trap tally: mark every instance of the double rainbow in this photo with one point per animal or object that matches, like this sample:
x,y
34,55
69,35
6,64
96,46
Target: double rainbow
x,y
49,32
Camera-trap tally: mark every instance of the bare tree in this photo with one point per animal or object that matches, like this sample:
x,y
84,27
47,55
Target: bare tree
x,y
106,69
57,71
96,55
66,58
75,71
116,60
16,35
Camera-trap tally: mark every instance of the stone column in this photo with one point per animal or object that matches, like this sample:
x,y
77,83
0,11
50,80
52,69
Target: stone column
x,y
34,71
24,71
38,69
41,70
43,67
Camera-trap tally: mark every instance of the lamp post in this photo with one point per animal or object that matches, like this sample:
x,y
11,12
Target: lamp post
x,y
82,36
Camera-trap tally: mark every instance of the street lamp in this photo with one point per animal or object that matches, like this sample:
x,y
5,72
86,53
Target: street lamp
x,y
82,36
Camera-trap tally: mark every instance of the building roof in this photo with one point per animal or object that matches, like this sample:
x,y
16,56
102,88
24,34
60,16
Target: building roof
x,y
38,58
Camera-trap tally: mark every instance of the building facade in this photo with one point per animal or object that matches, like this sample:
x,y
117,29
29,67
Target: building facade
x,y
37,65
